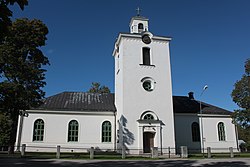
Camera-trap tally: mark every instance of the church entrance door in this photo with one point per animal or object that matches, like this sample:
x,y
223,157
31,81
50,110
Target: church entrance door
x,y
148,141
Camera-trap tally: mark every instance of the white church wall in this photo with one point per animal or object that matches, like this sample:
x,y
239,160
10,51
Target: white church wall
x,y
183,132
210,126
118,79
56,131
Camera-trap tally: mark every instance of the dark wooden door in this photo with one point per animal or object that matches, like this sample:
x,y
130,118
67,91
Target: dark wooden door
x,y
148,141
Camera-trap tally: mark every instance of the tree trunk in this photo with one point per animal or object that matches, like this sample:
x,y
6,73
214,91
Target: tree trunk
x,y
14,117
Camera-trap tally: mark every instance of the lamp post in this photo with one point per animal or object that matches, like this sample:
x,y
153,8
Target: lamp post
x,y
202,137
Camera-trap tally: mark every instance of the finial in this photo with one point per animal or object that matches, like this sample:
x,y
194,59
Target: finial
x,y
138,11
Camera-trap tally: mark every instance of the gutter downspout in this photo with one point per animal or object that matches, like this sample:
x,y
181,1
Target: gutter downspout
x,y
161,138
20,130
115,135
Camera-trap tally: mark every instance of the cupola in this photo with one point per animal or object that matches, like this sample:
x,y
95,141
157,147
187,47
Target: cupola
x,y
138,24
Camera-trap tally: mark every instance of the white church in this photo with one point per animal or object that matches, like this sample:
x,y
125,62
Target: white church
x,y
140,115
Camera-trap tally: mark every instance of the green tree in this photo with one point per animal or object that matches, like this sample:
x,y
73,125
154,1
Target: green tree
x,y
6,13
97,88
241,96
5,127
21,62
244,134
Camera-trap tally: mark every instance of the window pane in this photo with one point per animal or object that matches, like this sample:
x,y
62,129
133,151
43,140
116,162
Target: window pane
x,y
195,132
148,117
221,131
73,131
146,56
106,131
38,130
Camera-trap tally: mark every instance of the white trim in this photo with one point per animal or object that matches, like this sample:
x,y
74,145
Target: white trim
x,y
214,115
203,115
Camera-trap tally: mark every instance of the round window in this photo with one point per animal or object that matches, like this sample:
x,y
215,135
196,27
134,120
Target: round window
x,y
147,85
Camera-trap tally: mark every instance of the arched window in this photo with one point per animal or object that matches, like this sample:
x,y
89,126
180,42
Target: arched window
x,y
106,131
221,131
73,131
146,56
38,131
140,27
195,132
148,117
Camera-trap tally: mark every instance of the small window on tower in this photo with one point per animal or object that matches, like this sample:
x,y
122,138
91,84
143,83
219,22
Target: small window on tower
x,y
140,27
148,84
146,56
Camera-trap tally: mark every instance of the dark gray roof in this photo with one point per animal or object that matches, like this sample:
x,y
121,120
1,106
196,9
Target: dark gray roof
x,y
79,101
183,104
140,18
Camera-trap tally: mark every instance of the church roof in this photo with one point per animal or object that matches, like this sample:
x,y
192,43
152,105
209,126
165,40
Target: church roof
x,y
183,104
79,101
139,18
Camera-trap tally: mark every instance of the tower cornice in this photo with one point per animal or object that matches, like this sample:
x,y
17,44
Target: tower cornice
x,y
137,36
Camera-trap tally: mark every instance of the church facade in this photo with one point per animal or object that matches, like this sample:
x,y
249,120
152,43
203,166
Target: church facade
x,y
141,114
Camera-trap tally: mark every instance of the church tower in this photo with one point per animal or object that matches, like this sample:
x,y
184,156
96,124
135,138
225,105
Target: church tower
x,y
143,89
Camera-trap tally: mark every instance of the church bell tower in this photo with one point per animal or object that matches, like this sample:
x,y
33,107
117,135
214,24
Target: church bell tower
x,y
143,89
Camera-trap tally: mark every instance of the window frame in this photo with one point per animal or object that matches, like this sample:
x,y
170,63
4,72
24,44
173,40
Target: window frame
x,y
38,130
106,133
73,131
221,131
195,128
149,112
148,81
148,116
146,56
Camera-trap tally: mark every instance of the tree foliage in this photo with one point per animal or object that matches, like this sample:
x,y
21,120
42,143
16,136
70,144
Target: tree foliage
x,y
6,13
97,88
21,72
21,63
244,134
5,127
241,96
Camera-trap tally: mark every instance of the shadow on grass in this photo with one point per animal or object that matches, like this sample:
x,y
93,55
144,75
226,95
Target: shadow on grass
x,y
26,162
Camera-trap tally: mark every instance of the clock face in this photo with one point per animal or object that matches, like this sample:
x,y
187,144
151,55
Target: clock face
x,y
146,39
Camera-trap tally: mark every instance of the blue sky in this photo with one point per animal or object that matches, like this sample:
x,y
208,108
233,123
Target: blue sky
x,y
210,42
